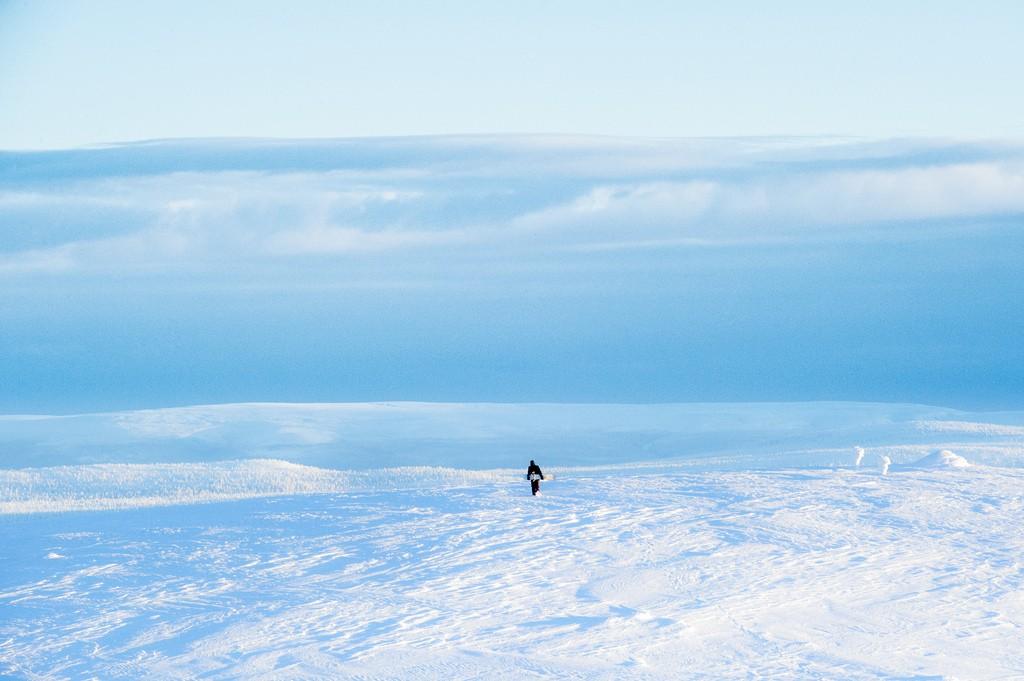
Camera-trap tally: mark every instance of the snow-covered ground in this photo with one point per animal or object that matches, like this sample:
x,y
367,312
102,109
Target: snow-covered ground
x,y
483,436
754,549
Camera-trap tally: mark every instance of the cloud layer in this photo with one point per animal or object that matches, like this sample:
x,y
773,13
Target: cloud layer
x,y
525,267
169,205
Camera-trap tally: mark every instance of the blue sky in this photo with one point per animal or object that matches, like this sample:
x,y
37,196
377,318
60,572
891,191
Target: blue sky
x,y
76,72
598,202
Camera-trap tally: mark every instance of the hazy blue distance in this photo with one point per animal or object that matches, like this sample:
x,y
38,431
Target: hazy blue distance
x,y
511,269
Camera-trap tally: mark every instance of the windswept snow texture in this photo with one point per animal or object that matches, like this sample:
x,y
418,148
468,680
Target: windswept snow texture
x,y
111,486
722,541
610,575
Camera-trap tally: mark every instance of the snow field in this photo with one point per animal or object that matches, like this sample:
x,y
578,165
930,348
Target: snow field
x,y
485,436
120,486
630,573
265,541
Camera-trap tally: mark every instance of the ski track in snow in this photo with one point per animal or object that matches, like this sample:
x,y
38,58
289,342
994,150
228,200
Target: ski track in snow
x,y
611,574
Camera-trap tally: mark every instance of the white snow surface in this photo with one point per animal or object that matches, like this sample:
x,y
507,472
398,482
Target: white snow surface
x,y
112,486
715,562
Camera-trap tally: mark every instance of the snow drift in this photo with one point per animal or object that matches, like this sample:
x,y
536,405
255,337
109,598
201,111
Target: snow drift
x,y
941,459
113,486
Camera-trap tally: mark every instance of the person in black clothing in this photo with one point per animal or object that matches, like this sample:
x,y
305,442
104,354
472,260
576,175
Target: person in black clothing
x,y
534,475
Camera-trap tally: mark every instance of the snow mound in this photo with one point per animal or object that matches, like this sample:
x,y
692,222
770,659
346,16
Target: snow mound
x,y
941,459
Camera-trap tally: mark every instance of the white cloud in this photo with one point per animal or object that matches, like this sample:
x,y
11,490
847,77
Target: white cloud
x,y
196,219
904,194
539,193
768,208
